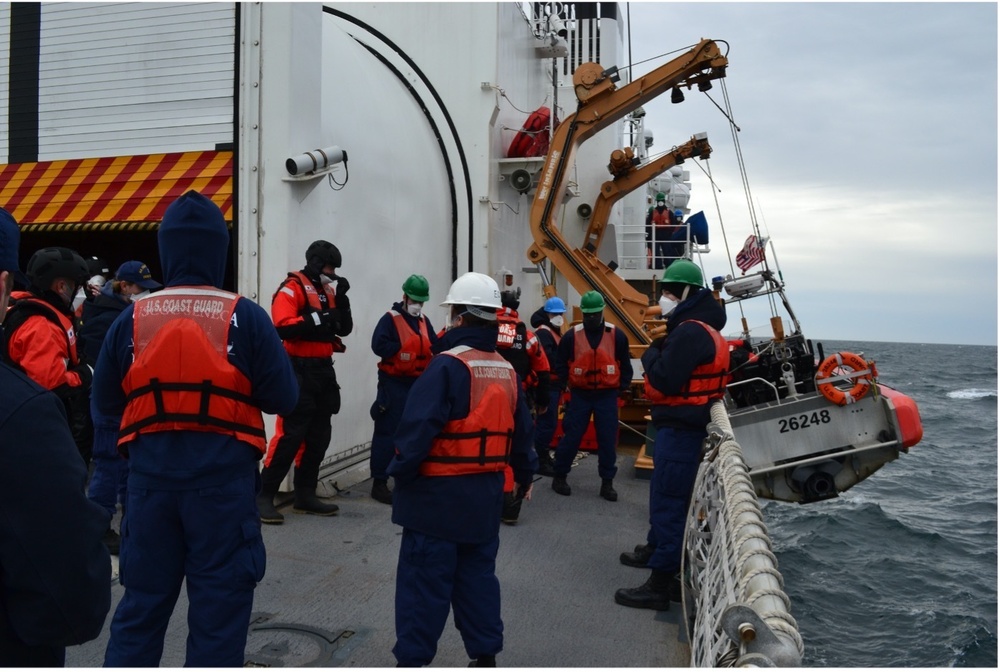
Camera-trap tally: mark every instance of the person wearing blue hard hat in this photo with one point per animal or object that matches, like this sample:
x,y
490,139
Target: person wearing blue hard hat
x,y
548,323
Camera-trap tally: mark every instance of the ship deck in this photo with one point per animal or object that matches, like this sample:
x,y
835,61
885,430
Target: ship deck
x,y
327,597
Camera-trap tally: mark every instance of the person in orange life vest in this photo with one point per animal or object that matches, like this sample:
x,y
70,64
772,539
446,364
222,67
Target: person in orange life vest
x,y
403,338
660,228
42,336
311,316
56,587
594,359
465,418
190,369
519,346
548,322
107,483
685,372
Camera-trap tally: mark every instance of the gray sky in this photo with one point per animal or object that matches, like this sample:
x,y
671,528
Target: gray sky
x,y
869,134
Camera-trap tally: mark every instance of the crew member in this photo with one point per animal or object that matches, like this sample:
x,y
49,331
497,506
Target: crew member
x,y
685,372
519,346
594,360
660,229
42,336
548,323
311,315
403,339
55,589
190,368
465,415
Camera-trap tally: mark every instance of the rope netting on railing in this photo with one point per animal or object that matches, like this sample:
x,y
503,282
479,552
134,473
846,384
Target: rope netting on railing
x,y
738,614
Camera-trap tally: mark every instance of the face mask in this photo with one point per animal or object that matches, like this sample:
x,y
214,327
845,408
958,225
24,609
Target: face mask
x,y
557,321
74,300
414,309
667,306
136,297
661,204
325,279
452,321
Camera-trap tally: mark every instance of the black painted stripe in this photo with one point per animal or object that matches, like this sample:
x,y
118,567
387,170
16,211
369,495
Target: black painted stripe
x,y
22,103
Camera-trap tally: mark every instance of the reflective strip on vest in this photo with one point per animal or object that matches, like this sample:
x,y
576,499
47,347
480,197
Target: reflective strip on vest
x,y
181,377
594,368
414,351
480,442
707,382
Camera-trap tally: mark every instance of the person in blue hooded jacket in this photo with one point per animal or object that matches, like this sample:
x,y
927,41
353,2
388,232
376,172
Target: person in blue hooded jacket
x,y
193,458
55,574
465,414
685,371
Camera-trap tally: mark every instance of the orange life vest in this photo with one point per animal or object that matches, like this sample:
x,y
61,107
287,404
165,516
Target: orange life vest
x,y
302,348
664,218
181,377
707,382
481,441
594,368
555,334
414,352
32,305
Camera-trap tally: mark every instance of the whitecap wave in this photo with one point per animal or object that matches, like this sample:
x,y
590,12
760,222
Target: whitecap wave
x,y
972,394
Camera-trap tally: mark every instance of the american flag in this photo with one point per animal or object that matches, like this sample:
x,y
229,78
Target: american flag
x,y
751,254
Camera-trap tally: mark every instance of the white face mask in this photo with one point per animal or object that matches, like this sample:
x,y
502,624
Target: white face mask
x,y
557,320
75,300
325,279
414,309
667,306
136,297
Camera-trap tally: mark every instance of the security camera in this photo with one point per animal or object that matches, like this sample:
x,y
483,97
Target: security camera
x,y
557,25
314,160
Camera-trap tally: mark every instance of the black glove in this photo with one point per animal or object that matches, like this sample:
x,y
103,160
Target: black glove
x,y
330,318
342,285
658,342
86,375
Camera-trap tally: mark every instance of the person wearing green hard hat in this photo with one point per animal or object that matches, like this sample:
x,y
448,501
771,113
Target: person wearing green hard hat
x,y
661,226
685,372
402,340
594,360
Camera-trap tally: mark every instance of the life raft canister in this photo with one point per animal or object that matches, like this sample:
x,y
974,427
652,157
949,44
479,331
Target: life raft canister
x,y
533,138
863,373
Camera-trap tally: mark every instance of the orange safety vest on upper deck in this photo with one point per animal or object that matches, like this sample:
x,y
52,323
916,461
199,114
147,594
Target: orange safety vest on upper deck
x,y
707,382
594,368
414,352
199,390
480,442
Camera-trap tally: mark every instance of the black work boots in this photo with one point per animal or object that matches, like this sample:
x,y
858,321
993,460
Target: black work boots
x,y
560,485
544,463
608,491
639,557
306,501
265,504
381,491
511,508
659,590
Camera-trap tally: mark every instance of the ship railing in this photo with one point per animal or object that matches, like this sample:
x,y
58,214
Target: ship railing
x,y
738,614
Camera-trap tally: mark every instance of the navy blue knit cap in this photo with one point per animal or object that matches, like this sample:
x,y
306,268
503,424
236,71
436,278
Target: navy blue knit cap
x,y
10,240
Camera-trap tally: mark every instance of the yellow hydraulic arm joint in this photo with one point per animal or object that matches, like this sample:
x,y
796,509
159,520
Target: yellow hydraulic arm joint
x,y
601,103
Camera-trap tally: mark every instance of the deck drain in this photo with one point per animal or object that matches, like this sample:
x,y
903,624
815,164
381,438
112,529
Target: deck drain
x,y
282,644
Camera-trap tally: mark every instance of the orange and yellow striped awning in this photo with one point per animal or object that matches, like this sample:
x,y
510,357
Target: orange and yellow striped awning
x,y
112,193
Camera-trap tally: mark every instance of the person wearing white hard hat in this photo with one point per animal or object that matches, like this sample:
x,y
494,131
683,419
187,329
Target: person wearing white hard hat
x,y
464,419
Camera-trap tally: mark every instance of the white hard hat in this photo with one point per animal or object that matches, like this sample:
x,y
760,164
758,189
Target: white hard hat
x,y
475,290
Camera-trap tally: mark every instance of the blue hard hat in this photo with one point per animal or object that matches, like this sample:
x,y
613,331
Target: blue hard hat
x,y
678,213
555,305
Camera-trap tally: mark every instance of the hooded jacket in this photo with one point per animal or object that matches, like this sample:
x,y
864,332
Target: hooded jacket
x,y
669,361
194,245
99,313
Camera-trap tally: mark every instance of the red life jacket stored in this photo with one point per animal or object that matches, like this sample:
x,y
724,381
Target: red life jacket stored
x,y
481,441
414,352
594,368
181,377
707,382
302,348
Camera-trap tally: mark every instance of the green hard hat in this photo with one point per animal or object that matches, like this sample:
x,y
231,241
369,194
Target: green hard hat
x,y
591,302
660,196
684,272
417,288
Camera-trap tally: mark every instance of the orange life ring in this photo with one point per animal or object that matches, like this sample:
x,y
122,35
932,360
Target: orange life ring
x,y
863,373
531,140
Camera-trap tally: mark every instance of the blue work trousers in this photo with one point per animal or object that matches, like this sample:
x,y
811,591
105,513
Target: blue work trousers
x,y
435,575
107,483
676,455
210,537
545,424
390,398
603,406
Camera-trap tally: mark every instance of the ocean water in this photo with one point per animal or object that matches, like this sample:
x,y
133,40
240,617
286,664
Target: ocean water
x,y
901,570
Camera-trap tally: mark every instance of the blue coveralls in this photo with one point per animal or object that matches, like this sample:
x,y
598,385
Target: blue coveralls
x,y
447,557
602,404
391,393
191,513
680,430
545,424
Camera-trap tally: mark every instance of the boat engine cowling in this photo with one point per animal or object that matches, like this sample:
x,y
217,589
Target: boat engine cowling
x,y
816,481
